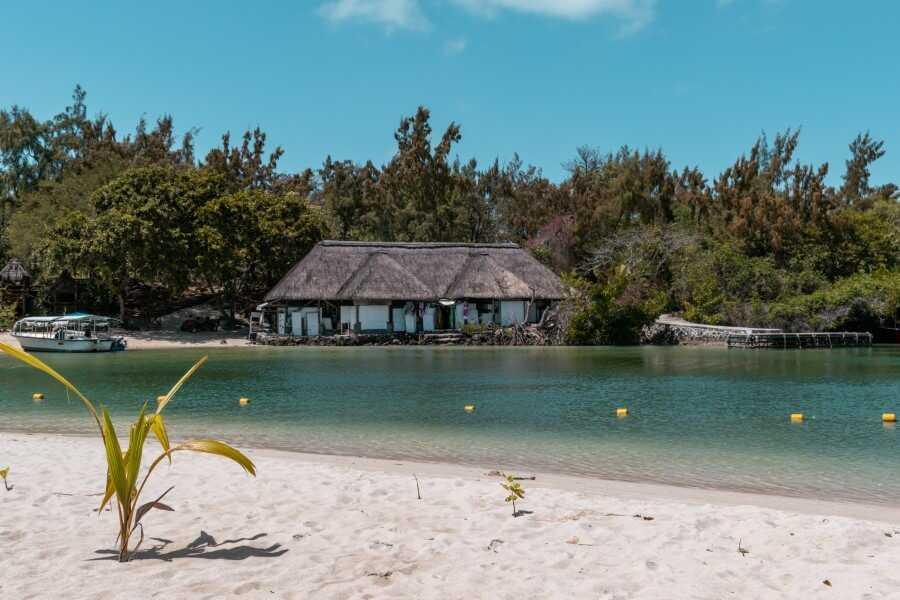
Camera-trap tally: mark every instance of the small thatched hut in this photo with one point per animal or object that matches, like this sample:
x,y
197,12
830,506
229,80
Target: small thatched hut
x,y
410,287
15,286
14,273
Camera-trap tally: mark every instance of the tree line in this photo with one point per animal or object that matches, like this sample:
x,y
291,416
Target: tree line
x,y
766,242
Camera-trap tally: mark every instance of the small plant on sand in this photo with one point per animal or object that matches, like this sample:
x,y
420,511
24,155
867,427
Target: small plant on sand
x,y
514,490
124,480
3,473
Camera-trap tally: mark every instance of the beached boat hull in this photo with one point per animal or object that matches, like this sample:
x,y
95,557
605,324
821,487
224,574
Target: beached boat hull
x,y
44,344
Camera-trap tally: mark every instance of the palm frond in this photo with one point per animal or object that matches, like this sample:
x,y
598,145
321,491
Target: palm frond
x,y
114,460
168,397
138,436
110,490
219,449
158,426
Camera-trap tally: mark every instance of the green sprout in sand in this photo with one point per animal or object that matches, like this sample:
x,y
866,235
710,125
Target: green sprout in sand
x,y
3,473
124,480
514,489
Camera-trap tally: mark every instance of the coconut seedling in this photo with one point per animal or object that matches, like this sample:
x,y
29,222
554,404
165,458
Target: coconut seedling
x,y
124,480
514,491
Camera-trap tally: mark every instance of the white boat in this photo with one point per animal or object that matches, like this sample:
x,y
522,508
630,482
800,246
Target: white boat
x,y
76,332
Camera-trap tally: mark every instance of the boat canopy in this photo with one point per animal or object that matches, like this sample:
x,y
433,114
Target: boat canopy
x,y
77,317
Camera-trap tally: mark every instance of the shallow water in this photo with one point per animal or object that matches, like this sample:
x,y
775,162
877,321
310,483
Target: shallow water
x,y
707,417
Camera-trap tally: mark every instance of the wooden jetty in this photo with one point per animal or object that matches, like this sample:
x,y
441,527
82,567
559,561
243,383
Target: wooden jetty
x,y
756,337
799,340
685,330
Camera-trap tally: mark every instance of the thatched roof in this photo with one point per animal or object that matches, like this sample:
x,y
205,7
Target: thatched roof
x,y
15,273
416,271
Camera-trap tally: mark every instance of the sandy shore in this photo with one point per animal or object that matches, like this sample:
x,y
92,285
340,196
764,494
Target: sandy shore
x,y
160,340
331,527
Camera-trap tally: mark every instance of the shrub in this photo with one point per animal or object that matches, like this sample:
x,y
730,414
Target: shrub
x,y
543,255
514,491
474,328
7,316
857,302
613,312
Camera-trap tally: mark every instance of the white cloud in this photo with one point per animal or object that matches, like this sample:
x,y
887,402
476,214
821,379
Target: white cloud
x,y
634,13
455,46
392,14
409,14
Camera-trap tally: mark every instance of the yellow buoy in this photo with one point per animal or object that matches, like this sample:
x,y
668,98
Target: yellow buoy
x,y
621,412
796,417
37,396
469,408
889,417
244,401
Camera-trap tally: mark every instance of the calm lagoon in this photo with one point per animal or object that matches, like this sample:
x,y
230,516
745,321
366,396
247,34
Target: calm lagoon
x,y
706,417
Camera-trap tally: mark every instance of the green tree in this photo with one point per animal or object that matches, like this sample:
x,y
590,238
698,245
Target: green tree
x,y
144,229
416,188
857,190
616,191
32,151
40,208
247,166
249,239
347,193
769,203
521,199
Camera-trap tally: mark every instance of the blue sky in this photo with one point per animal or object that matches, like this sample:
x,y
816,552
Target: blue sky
x,y
699,78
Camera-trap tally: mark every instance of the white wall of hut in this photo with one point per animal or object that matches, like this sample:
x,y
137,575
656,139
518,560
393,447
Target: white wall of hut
x,y
402,317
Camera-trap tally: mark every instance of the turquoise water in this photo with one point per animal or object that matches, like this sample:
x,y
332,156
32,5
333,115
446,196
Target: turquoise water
x,y
707,417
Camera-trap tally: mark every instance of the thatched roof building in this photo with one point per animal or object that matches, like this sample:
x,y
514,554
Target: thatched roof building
x,y
15,286
376,271
14,273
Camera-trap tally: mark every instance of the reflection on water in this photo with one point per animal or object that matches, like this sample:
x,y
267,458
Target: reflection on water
x,y
699,416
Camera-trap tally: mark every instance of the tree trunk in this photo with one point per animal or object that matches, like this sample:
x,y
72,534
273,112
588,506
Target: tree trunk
x,y
124,554
123,297
221,301
233,316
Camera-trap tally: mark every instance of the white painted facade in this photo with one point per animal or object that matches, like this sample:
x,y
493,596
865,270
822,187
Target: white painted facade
x,y
378,318
512,311
428,318
296,323
311,320
348,318
466,314
374,317
305,321
398,320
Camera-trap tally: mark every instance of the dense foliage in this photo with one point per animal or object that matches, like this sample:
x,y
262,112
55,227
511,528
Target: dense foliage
x,y
766,242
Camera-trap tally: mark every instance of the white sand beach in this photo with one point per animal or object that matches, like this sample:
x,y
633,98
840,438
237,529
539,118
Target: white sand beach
x,y
337,527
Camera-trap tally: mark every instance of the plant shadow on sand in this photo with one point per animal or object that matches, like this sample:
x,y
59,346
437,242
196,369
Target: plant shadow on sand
x,y
205,546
